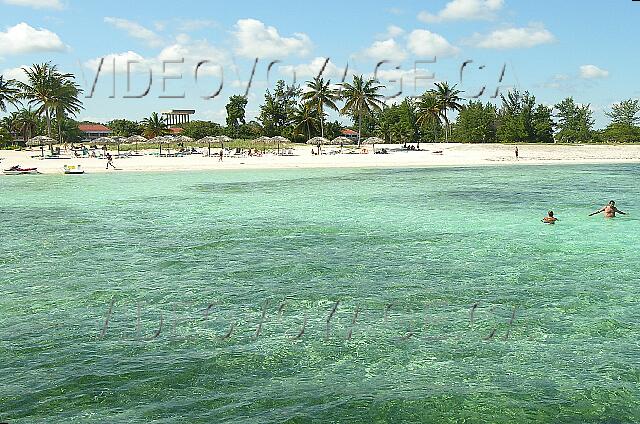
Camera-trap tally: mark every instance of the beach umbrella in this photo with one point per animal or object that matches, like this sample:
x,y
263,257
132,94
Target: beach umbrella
x,y
373,141
223,139
208,140
168,140
117,140
341,141
318,141
159,140
280,140
104,141
136,139
40,141
183,139
264,140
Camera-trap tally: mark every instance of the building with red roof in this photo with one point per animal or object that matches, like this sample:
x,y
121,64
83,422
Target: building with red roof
x,y
93,131
351,134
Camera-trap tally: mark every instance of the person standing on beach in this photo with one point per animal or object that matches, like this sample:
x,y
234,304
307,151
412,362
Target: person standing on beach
x,y
516,152
221,154
609,210
110,161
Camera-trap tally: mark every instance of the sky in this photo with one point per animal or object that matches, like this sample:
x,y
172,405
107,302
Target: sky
x,y
161,55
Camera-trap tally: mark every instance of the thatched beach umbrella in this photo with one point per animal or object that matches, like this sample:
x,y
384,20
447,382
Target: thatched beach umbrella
x,y
318,141
159,140
136,139
183,139
40,141
117,140
280,140
373,141
208,140
103,141
340,141
262,141
224,138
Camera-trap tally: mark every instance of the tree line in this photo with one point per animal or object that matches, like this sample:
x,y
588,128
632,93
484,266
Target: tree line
x,y
49,100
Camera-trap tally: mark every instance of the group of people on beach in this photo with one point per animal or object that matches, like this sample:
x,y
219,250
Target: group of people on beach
x,y
610,210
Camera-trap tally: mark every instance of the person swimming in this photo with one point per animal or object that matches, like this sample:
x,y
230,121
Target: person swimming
x,y
549,219
609,210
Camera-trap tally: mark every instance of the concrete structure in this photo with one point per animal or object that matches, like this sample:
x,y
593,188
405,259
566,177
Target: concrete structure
x,y
177,116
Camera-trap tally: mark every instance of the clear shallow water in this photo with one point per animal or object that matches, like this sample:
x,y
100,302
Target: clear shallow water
x,y
191,261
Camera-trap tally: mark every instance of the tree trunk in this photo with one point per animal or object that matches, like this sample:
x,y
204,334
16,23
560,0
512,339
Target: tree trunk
x,y
321,123
48,115
446,129
359,128
59,129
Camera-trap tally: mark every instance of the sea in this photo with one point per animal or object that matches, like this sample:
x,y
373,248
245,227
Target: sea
x,y
426,295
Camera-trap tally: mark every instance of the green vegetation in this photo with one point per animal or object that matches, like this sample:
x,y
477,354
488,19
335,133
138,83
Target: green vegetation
x,y
154,126
125,128
47,102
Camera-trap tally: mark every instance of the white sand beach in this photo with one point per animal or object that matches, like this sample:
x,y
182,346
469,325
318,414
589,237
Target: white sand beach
x,y
452,155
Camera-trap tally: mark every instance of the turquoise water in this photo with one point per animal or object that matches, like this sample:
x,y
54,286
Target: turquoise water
x,y
191,263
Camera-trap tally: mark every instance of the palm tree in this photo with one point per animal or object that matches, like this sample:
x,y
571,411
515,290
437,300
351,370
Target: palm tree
x,y
320,94
9,122
9,93
40,88
383,129
66,102
154,126
27,123
429,112
362,98
305,116
448,98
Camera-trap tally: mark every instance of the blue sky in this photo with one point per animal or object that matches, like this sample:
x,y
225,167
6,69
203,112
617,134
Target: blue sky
x,y
554,49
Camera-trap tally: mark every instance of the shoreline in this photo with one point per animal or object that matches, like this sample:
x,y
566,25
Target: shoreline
x,y
453,155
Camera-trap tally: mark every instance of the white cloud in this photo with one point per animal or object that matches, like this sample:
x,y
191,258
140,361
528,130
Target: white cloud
x,y
393,31
428,44
406,80
191,51
23,38
255,39
592,72
514,38
188,25
138,62
386,50
15,74
311,69
464,10
36,4
135,30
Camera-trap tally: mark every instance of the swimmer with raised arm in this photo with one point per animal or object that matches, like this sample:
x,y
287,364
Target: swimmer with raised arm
x,y
549,219
609,210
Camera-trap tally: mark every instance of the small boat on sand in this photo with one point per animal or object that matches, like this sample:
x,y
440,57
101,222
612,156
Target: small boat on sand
x,y
18,170
73,169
